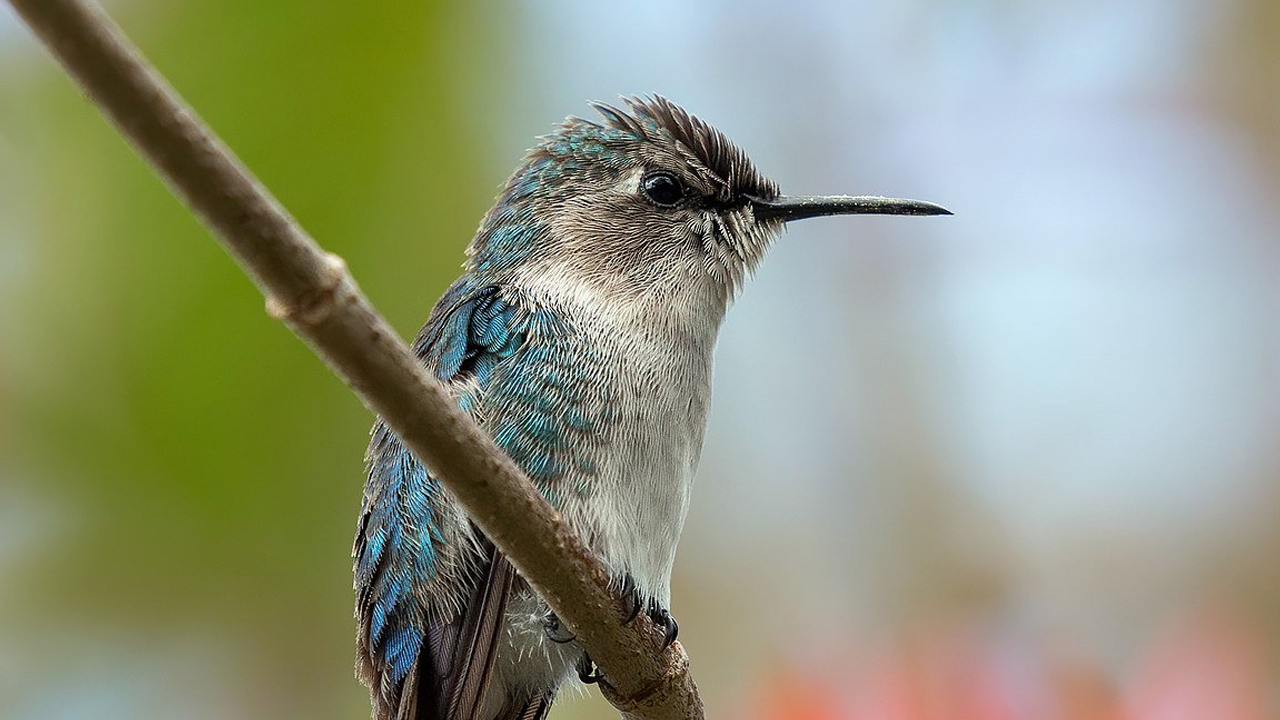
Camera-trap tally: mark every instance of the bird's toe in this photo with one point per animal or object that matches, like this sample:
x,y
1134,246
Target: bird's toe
x,y
663,619
555,630
588,673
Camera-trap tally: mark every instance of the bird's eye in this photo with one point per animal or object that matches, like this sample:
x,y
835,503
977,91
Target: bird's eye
x,y
662,188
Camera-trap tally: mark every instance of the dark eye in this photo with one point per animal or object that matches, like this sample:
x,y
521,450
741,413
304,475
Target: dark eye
x,y
662,189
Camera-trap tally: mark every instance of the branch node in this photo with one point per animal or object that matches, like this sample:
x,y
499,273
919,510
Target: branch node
x,y
676,673
314,307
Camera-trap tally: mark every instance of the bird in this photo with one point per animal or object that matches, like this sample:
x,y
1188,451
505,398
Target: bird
x,y
580,337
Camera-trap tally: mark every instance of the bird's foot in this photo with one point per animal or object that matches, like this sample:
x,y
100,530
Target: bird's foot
x,y
588,673
556,631
632,600
662,618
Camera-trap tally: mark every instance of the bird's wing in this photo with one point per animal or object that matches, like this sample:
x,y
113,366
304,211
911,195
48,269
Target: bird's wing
x,y
431,591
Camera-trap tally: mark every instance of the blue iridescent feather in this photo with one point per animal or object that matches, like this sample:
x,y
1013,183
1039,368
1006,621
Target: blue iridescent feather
x,y
400,538
479,342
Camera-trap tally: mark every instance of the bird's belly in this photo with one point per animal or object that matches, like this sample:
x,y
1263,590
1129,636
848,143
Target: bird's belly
x,y
642,398
631,516
636,524
635,510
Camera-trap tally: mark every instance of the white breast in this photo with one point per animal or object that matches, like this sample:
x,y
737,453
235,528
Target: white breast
x,y
656,357
651,359
645,470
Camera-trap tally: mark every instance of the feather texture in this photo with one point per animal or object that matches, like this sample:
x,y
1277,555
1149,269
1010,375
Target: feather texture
x,y
430,593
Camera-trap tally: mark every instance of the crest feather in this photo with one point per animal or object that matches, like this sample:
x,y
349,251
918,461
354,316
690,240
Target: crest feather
x,y
653,116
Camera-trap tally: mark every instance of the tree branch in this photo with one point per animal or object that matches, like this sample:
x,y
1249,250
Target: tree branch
x,y
312,292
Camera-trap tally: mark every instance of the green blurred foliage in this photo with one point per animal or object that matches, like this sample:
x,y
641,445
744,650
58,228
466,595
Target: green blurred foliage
x,y
209,466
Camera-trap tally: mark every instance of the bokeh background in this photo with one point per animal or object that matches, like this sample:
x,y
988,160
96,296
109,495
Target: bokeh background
x,y
1020,463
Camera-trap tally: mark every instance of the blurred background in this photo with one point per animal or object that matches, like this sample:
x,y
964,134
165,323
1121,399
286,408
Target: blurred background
x,y
1020,463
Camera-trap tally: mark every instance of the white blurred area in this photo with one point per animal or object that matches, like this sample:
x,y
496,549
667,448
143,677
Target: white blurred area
x,y
1052,416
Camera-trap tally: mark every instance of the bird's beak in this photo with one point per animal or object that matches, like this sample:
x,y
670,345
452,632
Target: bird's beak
x,y
786,208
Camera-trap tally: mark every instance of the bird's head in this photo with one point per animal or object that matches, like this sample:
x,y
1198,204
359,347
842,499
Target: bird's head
x,y
652,201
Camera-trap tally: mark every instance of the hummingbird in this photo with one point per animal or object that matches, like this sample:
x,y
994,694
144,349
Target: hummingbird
x,y
580,336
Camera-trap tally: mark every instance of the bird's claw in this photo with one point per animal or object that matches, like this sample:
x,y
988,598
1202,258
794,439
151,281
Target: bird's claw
x,y
662,618
556,631
633,601
588,673
631,598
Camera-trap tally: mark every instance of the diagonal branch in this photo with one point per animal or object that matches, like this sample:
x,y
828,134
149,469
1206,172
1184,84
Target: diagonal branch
x,y
312,292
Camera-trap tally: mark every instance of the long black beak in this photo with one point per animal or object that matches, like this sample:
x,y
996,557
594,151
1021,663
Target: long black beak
x,y
787,209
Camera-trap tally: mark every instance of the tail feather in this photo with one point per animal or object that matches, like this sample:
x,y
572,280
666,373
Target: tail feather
x,y
445,668
533,709
408,707
481,633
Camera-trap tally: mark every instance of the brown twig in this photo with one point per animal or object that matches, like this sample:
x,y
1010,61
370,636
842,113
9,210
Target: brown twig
x,y
312,292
